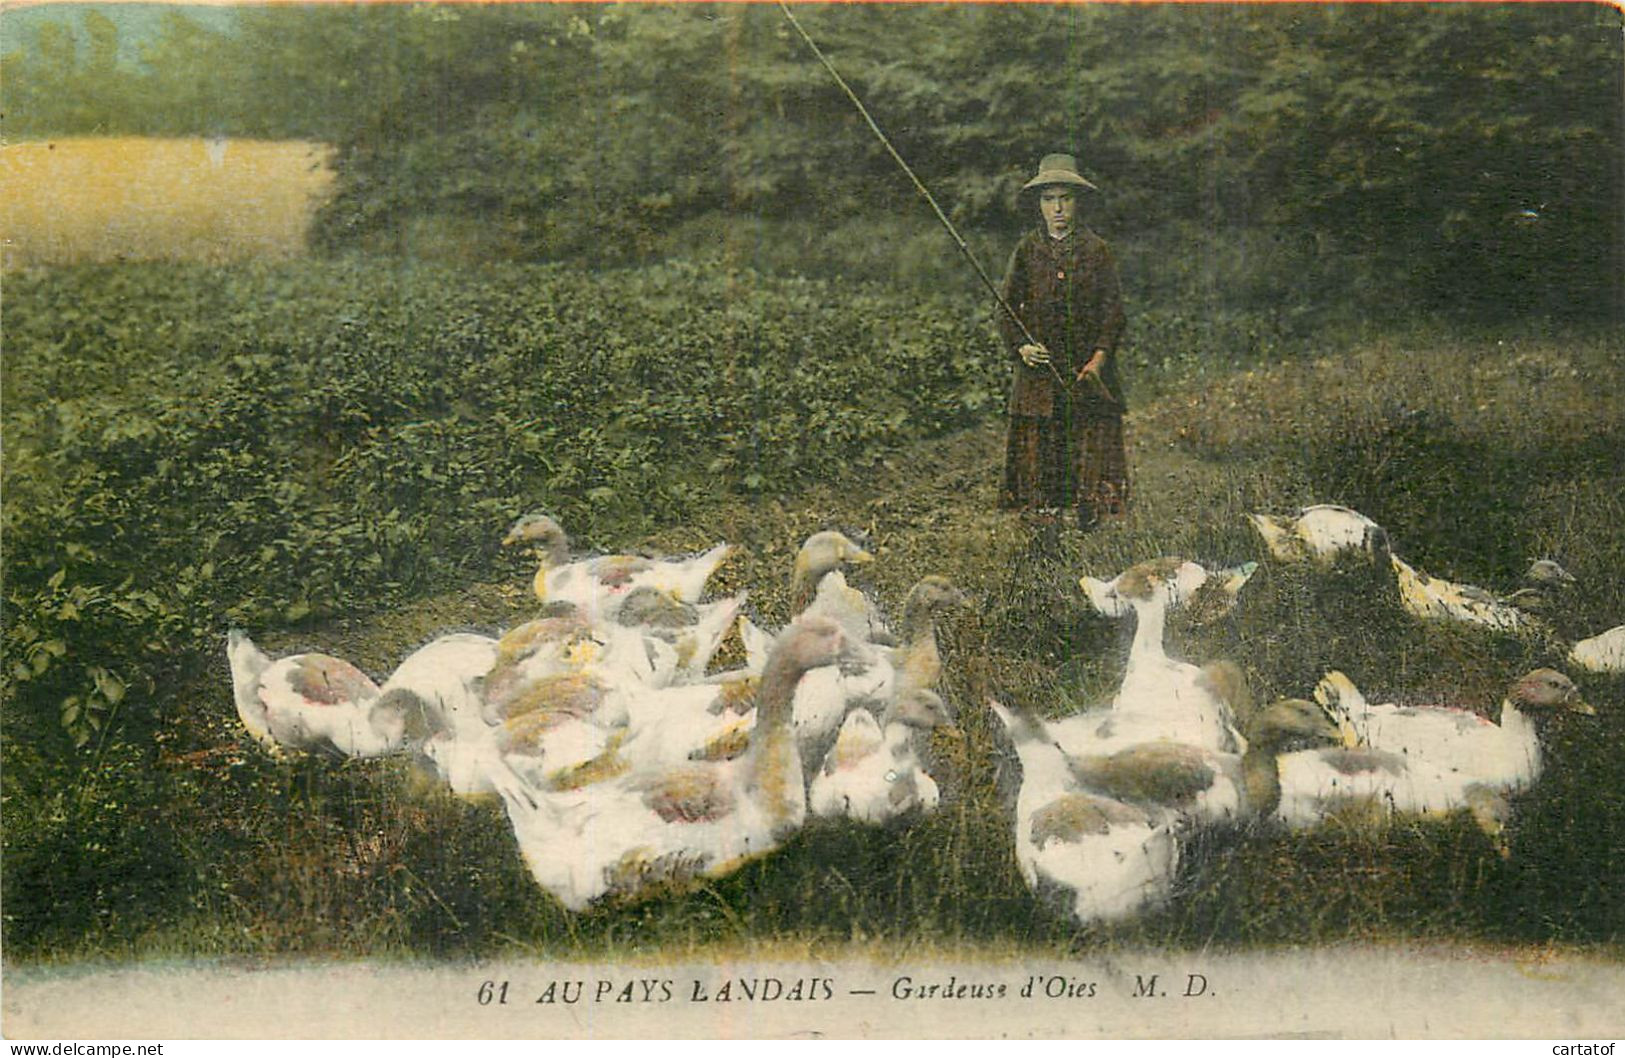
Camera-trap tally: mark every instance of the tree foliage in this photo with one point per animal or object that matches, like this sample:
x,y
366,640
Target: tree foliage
x,y
1469,153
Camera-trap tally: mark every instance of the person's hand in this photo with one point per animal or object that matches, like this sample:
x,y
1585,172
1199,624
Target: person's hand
x,y
1034,355
1092,367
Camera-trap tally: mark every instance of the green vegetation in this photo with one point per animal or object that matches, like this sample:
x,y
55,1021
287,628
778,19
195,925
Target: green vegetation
x,y
1459,156
193,430
643,267
327,454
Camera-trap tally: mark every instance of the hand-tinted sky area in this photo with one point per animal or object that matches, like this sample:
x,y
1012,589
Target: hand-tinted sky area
x,y
137,23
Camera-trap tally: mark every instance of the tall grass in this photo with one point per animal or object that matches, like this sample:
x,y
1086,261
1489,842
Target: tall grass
x,y
1476,453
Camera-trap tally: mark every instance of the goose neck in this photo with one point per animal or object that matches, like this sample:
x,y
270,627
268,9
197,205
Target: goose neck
x,y
919,622
777,689
553,550
804,579
1260,779
1516,722
1150,620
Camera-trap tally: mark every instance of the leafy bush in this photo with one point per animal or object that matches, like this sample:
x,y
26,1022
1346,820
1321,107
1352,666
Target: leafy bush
x,y
343,437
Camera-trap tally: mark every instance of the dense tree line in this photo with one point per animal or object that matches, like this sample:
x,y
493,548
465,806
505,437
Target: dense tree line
x,y
1464,154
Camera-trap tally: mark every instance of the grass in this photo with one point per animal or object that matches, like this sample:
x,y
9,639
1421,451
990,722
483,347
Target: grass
x,y
1477,455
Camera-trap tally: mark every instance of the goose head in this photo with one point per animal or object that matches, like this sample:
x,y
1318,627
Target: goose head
x,y
919,708
545,538
381,726
1169,580
1545,586
1284,726
539,531
822,553
1290,724
1546,573
807,643
932,597
1547,691
1102,595
935,594
248,664
403,716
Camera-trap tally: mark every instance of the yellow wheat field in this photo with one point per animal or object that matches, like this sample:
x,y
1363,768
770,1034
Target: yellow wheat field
x,y
136,198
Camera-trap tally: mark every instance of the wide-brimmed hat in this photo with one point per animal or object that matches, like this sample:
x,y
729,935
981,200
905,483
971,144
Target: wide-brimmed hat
x,y
1058,169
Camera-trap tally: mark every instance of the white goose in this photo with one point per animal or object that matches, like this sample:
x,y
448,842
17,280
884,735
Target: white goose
x,y
626,832
1320,534
700,721
1433,599
1160,696
1201,786
1460,742
598,585
1318,783
873,773
822,557
818,586
311,702
438,688
865,674
1604,652
1107,859
1545,583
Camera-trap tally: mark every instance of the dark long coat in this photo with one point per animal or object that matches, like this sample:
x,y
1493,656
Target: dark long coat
x,y
1065,444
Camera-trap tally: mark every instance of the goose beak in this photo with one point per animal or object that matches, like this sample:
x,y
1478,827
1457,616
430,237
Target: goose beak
x,y
522,532
1582,707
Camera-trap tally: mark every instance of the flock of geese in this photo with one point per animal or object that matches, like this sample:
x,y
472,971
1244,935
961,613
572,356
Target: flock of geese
x,y
1111,795
622,763
625,765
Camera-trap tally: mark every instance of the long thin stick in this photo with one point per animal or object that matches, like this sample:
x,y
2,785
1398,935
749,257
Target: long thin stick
x,y
921,188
